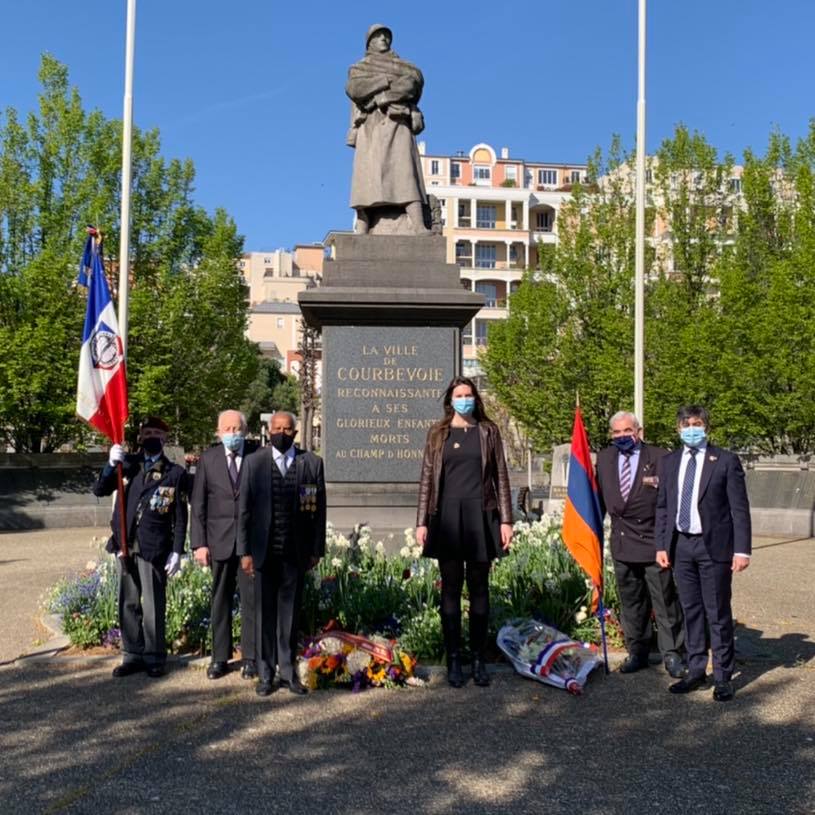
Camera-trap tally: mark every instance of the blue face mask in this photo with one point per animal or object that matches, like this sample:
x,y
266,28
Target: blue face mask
x,y
693,436
232,441
464,405
625,444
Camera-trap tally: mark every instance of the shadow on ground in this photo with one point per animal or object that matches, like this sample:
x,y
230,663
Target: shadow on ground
x,y
75,740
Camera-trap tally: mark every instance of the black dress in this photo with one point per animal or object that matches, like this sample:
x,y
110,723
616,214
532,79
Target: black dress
x,y
462,530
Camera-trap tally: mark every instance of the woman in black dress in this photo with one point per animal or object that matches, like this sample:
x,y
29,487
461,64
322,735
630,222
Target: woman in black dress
x,y
464,517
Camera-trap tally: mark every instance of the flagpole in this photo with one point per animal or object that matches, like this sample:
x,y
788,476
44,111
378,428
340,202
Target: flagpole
x,y
639,262
127,139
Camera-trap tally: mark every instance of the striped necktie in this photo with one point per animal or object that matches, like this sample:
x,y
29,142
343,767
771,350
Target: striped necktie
x,y
232,466
625,476
687,491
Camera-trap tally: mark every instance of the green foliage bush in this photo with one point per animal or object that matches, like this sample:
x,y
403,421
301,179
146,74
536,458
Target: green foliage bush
x,y
358,588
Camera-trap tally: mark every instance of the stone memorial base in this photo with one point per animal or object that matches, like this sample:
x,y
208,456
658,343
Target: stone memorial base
x,y
391,312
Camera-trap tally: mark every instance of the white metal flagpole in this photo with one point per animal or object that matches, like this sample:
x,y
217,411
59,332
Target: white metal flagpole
x,y
127,138
639,263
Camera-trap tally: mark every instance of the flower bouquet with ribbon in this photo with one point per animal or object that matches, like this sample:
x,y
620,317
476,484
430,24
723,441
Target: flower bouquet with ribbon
x,y
540,652
337,658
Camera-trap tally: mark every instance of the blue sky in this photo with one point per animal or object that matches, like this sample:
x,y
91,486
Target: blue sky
x,y
252,91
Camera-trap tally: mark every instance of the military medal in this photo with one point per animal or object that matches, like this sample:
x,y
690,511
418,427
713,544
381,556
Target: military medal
x,y
456,445
156,476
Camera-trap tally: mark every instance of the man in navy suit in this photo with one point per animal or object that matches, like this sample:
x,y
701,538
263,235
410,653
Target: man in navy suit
x,y
156,523
213,534
703,528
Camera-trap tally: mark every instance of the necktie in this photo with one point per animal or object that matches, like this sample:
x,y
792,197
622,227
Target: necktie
x,y
625,476
283,464
232,466
687,492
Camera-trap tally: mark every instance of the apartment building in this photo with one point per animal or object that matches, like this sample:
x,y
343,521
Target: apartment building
x,y
274,280
496,209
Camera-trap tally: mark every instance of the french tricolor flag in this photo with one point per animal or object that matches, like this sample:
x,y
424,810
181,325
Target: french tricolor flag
x,y
101,397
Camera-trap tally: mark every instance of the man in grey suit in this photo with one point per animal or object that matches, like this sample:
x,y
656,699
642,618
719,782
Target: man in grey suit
x,y
213,535
281,535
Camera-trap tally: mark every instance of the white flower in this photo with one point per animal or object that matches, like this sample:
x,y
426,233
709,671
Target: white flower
x,y
580,616
415,552
405,552
331,645
90,565
380,549
336,562
341,542
409,532
357,661
390,536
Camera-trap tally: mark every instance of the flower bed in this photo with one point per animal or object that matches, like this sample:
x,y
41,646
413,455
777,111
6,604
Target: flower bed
x,y
358,588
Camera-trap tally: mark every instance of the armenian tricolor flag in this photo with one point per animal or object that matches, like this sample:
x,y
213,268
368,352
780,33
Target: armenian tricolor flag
x,y
582,519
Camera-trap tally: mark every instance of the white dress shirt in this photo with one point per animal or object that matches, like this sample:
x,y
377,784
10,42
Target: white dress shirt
x,y
283,460
695,520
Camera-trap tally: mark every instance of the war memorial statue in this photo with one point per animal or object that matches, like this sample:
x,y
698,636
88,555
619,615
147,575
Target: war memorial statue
x,y
387,187
390,307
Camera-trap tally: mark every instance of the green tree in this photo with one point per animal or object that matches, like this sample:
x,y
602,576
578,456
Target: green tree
x,y
270,390
188,355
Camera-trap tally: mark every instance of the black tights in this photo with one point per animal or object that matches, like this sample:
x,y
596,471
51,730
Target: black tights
x,y
452,582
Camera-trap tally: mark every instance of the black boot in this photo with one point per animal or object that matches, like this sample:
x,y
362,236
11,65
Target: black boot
x,y
480,675
479,623
451,627
455,676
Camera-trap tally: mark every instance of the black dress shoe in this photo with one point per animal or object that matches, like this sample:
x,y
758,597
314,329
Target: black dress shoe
x,y
724,691
294,686
155,671
264,688
249,670
675,666
632,664
216,670
128,668
480,675
688,684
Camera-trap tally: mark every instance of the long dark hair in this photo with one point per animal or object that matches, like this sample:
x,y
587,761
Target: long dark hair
x,y
440,430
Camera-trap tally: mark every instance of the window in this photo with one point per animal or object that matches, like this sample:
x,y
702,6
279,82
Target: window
x,y
543,221
482,175
455,169
443,206
481,332
575,176
462,250
485,217
467,334
490,292
485,256
267,260
548,177
434,167
511,173
735,185
280,322
513,252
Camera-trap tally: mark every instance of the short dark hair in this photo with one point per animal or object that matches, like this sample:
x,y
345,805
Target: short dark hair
x,y
156,423
693,412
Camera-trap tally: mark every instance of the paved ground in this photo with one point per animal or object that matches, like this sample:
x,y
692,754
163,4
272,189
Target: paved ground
x,y
31,562
73,740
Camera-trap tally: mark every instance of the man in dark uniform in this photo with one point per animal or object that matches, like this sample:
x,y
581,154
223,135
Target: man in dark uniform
x,y
281,535
627,477
156,521
213,533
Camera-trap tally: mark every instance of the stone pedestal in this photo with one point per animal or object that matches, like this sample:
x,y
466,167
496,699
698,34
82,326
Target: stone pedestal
x,y
391,312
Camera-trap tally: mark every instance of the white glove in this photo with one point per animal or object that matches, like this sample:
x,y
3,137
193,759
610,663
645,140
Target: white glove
x,y
173,564
116,454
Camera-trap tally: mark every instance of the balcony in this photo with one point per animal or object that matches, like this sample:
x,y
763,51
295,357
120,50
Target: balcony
x,y
466,262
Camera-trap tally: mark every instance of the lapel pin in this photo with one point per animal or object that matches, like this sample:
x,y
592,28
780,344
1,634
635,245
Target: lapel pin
x,y
712,458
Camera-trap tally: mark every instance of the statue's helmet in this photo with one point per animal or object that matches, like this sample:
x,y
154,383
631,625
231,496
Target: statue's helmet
x,y
376,27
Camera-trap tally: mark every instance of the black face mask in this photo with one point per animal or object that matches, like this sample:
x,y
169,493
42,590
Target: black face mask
x,y
281,441
152,446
